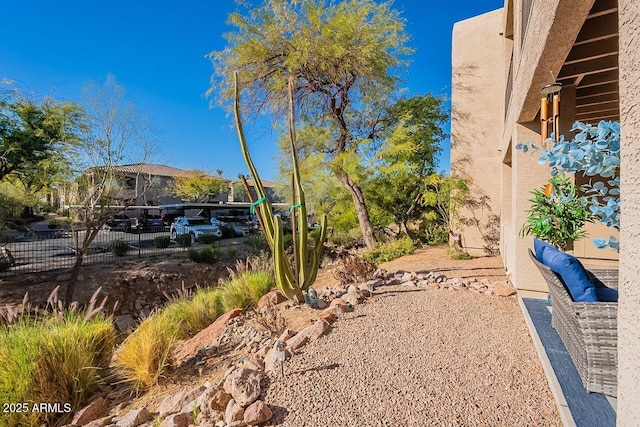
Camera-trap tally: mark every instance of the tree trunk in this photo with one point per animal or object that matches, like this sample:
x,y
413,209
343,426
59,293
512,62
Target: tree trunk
x,y
361,209
75,273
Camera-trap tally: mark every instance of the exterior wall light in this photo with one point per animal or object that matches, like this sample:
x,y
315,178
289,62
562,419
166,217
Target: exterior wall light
x,y
550,123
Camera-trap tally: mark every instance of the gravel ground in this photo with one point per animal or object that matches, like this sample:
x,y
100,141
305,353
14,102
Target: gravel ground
x,y
418,357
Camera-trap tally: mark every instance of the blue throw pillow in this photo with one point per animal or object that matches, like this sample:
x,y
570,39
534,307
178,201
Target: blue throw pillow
x,y
539,247
607,294
570,270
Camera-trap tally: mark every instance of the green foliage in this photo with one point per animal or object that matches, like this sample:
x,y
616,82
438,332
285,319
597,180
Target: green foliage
x,y
209,255
245,290
119,247
199,186
347,239
343,55
458,254
47,357
391,250
207,239
433,233
59,223
405,159
183,240
232,253
558,215
162,242
257,243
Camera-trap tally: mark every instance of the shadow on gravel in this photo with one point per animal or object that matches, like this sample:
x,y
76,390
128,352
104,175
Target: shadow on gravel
x,y
279,415
319,368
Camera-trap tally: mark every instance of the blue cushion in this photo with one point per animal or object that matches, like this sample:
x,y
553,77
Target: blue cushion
x,y
607,294
539,247
570,270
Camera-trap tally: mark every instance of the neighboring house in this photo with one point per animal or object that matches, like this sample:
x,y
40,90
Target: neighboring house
x,y
141,184
501,60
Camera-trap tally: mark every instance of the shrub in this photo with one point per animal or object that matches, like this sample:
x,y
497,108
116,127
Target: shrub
x,y
352,269
119,247
557,213
48,359
246,289
184,240
59,223
207,239
433,234
162,242
458,254
348,239
257,243
271,321
209,255
232,252
390,250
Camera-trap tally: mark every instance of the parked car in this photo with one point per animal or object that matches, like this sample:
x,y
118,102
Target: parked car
x,y
241,229
226,228
195,226
148,223
119,222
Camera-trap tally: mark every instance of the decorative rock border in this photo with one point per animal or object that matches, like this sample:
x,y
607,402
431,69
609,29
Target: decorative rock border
x,y
235,400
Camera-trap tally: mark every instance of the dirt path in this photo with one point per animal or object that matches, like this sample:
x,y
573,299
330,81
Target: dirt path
x,y
420,357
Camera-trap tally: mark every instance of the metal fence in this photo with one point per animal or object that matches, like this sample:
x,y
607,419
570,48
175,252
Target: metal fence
x,y
51,250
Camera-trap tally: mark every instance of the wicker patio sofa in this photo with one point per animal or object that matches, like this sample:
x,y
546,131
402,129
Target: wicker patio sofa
x,y
587,329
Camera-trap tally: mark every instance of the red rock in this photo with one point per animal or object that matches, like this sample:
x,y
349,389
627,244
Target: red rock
x,y
257,413
174,403
134,418
328,317
337,301
214,399
288,333
244,386
177,420
100,422
91,412
234,412
315,331
503,290
204,338
297,341
271,299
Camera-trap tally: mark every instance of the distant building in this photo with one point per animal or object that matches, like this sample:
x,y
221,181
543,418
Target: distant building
x,y
237,192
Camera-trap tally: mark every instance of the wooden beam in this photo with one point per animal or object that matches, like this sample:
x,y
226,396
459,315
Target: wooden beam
x,y
595,119
599,27
605,106
597,99
594,50
602,7
600,89
591,66
611,76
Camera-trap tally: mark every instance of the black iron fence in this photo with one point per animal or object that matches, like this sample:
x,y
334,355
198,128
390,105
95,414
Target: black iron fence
x,y
33,252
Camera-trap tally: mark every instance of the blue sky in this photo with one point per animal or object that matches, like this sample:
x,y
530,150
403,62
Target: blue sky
x,y
156,50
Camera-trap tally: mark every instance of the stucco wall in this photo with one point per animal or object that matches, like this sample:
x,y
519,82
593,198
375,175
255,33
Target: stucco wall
x,y
476,124
629,305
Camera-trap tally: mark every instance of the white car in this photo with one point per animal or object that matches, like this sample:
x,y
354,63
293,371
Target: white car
x,y
195,226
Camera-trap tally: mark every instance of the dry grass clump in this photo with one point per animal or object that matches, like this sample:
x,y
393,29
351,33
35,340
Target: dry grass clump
x,y
271,321
145,355
53,355
353,269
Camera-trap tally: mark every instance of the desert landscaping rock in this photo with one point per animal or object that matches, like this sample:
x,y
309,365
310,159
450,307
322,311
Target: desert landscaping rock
x,y
297,341
175,403
177,420
134,418
244,386
100,422
257,413
234,412
214,399
503,290
271,299
91,412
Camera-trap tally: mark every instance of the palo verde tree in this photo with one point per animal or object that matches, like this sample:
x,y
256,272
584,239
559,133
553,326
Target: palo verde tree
x,y
343,57
405,159
116,134
200,186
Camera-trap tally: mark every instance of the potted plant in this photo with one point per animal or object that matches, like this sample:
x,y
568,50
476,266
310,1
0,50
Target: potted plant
x,y
558,213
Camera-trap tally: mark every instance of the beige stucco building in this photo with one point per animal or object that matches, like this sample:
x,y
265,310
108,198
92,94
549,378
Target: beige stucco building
x,y
501,60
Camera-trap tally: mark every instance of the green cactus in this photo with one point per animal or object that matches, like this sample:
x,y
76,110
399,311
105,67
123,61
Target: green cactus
x,y
291,278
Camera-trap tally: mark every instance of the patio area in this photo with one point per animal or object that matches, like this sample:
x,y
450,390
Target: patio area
x,y
577,407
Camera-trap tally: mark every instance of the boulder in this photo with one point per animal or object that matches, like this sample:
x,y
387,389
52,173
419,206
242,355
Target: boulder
x,y
204,338
175,402
134,418
177,420
234,412
214,399
271,363
288,333
100,422
244,386
271,299
295,342
315,331
91,412
257,413
125,322
327,316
